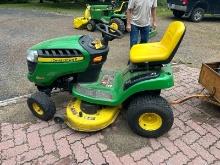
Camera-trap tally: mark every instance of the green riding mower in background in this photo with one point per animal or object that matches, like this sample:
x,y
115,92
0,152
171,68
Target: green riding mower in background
x,y
108,14
74,64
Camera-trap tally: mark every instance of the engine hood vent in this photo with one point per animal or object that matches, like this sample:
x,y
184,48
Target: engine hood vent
x,y
59,53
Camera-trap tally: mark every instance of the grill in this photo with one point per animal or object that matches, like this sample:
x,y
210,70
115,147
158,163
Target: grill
x,y
59,53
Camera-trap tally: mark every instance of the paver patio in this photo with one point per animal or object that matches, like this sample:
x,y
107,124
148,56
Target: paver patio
x,y
193,139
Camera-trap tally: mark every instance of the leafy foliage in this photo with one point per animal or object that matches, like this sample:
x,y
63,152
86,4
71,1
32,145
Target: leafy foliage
x,y
162,3
14,1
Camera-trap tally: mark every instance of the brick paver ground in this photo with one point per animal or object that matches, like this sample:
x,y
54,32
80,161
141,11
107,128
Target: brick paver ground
x,y
193,139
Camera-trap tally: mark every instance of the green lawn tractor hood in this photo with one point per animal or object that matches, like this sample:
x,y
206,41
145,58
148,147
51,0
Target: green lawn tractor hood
x,y
56,57
66,42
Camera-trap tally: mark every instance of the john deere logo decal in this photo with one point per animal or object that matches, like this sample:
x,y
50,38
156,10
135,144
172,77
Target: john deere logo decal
x,y
70,59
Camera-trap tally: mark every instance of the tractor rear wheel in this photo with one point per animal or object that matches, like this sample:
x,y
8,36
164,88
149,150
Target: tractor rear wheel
x,y
91,25
41,106
150,116
117,24
156,92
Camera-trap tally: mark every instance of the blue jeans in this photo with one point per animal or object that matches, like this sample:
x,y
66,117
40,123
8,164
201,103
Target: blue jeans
x,y
134,34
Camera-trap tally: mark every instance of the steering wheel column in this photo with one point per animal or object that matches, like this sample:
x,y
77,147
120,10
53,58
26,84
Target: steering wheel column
x,y
108,33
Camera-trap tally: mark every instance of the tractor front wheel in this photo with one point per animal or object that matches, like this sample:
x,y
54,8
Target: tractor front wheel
x,y
117,24
41,106
150,116
91,26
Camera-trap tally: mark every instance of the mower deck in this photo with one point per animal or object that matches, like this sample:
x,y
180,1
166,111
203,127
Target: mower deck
x,y
80,121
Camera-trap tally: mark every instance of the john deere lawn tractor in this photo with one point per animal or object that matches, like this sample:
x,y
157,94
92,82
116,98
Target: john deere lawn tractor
x,y
74,63
107,14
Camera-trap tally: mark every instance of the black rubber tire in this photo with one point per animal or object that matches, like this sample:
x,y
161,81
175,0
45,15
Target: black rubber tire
x,y
178,14
126,103
119,22
154,92
149,104
45,103
197,14
91,26
58,119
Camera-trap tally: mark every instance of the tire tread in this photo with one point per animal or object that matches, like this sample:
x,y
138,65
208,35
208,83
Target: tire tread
x,y
142,102
46,104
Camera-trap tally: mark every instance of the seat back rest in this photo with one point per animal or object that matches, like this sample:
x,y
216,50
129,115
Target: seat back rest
x,y
87,13
172,39
122,8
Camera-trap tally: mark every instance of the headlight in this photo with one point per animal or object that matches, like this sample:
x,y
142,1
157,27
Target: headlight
x,y
32,55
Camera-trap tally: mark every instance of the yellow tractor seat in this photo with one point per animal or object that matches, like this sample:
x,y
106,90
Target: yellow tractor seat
x,y
80,22
87,13
160,52
123,7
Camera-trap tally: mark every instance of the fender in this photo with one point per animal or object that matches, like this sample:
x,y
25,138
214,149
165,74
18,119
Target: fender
x,y
204,4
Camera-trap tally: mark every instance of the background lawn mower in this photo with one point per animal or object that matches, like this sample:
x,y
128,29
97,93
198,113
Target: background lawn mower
x,y
106,14
74,64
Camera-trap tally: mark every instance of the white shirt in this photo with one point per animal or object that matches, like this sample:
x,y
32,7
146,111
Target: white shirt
x,y
141,11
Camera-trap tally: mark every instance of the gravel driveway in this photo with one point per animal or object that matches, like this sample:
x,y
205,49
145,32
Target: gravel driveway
x,y
20,29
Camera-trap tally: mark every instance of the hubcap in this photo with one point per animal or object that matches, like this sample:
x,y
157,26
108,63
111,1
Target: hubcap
x,y
114,26
150,121
37,109
89,26
198,15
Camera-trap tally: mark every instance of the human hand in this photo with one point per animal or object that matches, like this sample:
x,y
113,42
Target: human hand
x,y
128,27
154,25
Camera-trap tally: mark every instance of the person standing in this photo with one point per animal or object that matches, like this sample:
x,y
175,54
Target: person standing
x,y
139,14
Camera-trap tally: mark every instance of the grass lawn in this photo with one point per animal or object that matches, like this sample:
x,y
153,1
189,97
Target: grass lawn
x,y
64,8
163,11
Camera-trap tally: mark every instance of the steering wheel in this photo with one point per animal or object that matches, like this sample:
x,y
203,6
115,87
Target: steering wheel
x,y
113,3
106,30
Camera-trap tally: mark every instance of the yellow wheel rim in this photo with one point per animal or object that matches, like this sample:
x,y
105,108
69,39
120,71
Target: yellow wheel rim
x,y
114,26
37,109
150,121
